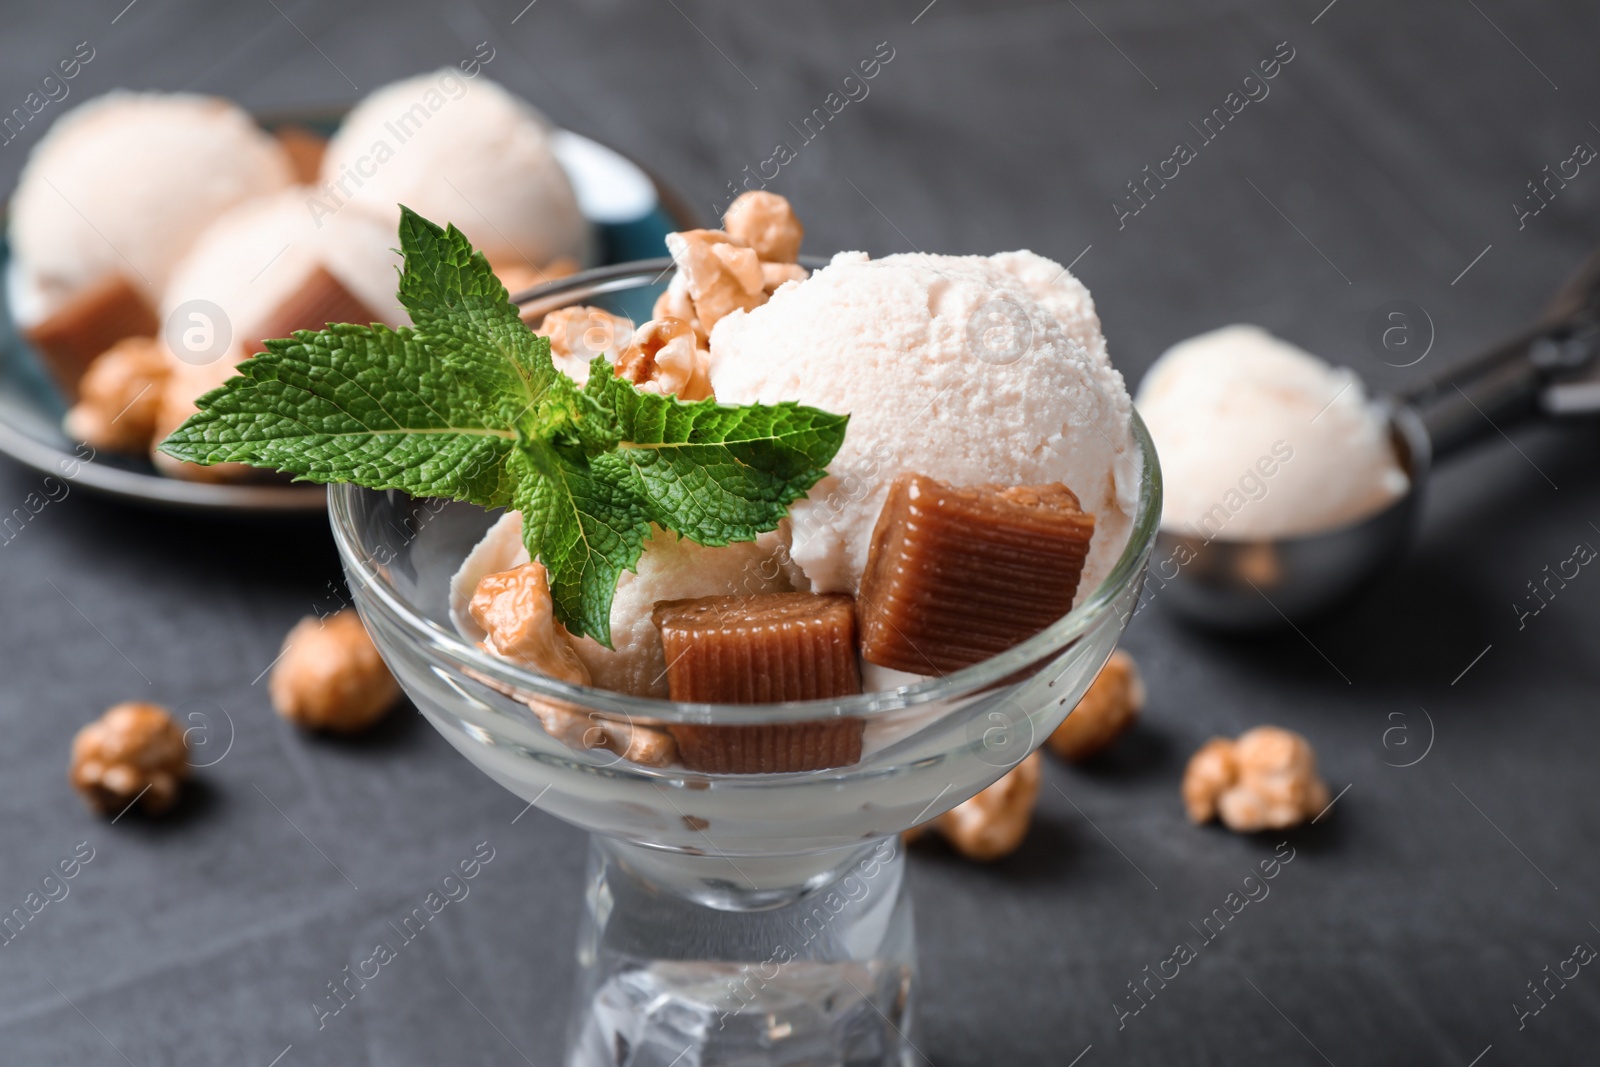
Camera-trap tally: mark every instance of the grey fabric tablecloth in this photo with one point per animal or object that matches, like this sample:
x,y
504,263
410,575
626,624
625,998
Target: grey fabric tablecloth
x,y
1384,162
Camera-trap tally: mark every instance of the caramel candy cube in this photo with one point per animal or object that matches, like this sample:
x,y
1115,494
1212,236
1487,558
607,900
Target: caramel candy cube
x,y
305,149
765,649
956,575
319,300
88,325
770,748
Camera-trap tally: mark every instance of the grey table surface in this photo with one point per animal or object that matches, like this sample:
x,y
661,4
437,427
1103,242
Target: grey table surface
x,y
1383,165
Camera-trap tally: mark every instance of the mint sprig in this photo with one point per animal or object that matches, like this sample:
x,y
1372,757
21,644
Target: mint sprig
x,y
467,404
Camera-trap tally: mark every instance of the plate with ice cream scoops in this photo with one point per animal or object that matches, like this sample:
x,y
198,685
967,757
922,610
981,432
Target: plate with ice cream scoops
x,y
629,212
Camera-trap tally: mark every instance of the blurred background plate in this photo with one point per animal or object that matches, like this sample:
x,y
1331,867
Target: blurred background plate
x,y
630,209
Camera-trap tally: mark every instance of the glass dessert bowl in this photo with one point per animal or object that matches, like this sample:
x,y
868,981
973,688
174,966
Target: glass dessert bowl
x,y
731,918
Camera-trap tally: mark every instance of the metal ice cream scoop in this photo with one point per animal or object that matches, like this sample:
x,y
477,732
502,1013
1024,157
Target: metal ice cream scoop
x,y
1551,370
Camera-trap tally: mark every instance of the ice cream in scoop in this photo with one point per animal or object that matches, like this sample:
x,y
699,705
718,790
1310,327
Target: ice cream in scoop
x,y
1261,439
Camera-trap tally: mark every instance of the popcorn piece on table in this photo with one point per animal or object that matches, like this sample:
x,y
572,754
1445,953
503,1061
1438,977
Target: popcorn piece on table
x,y
133,751
517,614
119,397
993,823
330,676
1267,779
664,357
1113,702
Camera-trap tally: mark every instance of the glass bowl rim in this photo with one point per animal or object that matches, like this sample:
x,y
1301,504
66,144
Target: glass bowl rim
x,y
438,641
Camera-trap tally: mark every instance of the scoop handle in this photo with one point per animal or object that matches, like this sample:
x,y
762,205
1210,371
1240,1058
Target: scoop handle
x,y
1508,383
1496,391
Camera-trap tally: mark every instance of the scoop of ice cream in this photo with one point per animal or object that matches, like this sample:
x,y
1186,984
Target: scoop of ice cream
x,y
253,257
669,569
245,265
462,151
968,369
1259,438
125,183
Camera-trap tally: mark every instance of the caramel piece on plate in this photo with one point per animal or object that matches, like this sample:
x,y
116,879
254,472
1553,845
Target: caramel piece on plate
x,y
765,649
321,299
90,323
956,575
305,149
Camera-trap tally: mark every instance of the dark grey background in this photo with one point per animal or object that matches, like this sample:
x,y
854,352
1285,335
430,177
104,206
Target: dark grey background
x,y
1384,161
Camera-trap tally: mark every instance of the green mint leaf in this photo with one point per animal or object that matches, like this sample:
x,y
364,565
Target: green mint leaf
x,y
465,317
713,472
362,404
582,519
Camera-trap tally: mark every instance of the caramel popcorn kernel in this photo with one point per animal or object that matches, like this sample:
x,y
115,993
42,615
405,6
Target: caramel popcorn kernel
x,y
1267,779
774,275
676,303
119,396
583,331
305,149
722,274
1210,773
581,729
133,751
330,676
663,357
767,223
517,614
580,333
993,823
1113,702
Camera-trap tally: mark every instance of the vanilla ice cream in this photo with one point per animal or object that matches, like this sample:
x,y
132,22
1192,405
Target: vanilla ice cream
x,y
1259,438
256,255
969,369
245,265
457,150
669,569
124,184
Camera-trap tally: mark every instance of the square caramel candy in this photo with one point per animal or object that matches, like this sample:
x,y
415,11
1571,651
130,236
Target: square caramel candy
x,y
319,300
90,323
305,149
766,649
956,575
